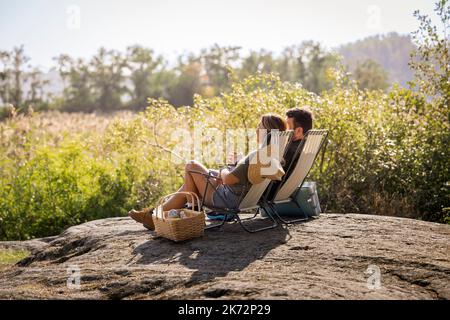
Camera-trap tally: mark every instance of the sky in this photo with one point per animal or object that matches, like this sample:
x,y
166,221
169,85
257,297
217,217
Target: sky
x,y
48,28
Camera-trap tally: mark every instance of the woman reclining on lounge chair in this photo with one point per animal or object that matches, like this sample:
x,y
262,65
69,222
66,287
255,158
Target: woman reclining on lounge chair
x,y
230,188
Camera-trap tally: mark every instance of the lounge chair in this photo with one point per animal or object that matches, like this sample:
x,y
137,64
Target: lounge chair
x,y
287,190
254,196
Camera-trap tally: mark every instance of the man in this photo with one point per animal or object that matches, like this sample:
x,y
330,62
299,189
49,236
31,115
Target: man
x,y
300,121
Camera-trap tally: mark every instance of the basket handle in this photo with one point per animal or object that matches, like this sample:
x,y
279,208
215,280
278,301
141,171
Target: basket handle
x,y
193,195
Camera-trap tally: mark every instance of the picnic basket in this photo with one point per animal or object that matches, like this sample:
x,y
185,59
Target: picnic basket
x,y
177,230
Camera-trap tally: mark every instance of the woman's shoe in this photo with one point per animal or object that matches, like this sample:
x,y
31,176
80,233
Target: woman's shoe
x,y
144,217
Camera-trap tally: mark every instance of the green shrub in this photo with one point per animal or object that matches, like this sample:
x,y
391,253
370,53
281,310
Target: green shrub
x,y
387,154
47,187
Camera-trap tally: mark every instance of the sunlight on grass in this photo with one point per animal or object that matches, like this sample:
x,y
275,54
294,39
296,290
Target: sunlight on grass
x,y
8,256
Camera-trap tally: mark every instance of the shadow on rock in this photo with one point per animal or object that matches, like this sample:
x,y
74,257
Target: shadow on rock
x,y
217,253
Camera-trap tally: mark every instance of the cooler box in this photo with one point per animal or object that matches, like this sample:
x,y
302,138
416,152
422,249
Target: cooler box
x,y
308,200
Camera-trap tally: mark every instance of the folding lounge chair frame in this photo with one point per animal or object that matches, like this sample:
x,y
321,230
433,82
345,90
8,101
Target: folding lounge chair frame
x,y
254,196
288,189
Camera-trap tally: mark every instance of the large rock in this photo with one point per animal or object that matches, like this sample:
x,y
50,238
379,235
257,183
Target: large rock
x,y
326,258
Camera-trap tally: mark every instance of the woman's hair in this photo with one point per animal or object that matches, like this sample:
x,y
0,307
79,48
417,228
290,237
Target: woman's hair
x,y
271,122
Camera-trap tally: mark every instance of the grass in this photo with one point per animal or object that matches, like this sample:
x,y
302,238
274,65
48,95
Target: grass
x,y
9,257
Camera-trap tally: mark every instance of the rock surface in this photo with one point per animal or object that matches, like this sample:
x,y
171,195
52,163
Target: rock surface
x,y
326,258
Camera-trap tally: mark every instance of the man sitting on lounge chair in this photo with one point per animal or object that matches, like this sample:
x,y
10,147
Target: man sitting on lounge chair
x,y
300,121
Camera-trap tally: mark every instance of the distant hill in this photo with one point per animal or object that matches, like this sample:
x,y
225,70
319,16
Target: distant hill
x,y
391,51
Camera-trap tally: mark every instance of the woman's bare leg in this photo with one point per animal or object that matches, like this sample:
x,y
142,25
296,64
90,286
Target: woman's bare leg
x,y
194,183
177,201
201,183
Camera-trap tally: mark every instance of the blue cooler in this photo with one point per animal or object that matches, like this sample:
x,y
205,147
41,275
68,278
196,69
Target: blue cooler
x,y
308,199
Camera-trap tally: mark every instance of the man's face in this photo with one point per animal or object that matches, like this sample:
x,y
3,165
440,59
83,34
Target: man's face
x,y
298,132
290,123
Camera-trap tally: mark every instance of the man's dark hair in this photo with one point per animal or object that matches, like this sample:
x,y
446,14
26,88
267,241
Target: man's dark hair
x,y
302,118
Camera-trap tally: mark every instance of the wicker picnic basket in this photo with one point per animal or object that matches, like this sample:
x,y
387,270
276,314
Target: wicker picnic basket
x,y
177,230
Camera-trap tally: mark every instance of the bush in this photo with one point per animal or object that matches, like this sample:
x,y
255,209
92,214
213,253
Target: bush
x,y
387,154
52,181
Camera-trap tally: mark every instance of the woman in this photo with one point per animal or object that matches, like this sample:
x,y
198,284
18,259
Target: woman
x,y
231,185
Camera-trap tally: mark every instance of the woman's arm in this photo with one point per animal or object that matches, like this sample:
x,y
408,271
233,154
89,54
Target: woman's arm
x,y
227,177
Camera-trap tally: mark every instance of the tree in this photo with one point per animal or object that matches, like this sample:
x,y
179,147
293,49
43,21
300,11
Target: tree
x,y
431,63
371,75
318,63
291,66
308,65
262,61
13,76
63,65
20,85
431,60
187,83
5,77
36,93
108,79
216,62
19,60
78,95
146,76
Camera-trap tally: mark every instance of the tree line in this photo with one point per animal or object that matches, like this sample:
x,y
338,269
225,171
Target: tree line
x,y
113,80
